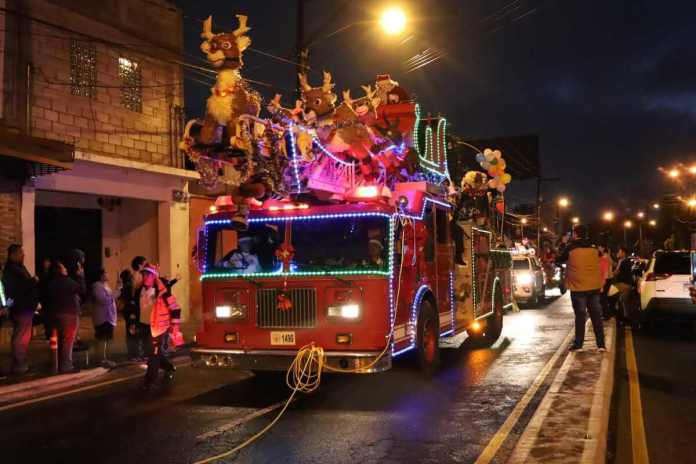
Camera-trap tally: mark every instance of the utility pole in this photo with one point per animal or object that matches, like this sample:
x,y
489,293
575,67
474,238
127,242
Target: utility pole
x,y
539,202
301,47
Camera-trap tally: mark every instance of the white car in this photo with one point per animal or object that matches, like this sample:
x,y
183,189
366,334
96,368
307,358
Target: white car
x,y
528,280
664,287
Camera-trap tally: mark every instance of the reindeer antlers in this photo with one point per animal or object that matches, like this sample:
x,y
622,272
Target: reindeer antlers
x,y
303,82
207,33
242,29
327,85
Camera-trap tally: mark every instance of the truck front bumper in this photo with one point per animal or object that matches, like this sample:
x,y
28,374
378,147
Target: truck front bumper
x,y
277,360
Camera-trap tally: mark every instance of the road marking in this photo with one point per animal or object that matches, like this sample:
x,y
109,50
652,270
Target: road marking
x,y
638,441
501,435
31,401
237,422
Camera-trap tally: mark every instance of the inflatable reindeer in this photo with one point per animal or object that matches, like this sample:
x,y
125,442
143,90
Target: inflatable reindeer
x,y
230,98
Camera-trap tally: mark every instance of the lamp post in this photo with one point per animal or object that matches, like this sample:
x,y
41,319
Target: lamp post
x,y
627,225
562,203
392,21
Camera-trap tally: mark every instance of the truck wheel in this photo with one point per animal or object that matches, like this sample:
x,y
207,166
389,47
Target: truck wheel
x,y
428,338
494,323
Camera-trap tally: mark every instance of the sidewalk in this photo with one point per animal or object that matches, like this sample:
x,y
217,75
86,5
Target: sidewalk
x,y
571,423
40,360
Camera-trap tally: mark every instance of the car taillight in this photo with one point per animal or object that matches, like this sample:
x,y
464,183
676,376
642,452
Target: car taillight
x,y
652,277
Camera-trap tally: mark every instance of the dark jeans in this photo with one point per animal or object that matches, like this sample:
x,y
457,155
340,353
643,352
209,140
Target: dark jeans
x,y
21,336
584,302
133,339
67,325
157,359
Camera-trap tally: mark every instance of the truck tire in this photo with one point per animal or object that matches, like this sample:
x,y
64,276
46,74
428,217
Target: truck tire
x,y
494,324
428,338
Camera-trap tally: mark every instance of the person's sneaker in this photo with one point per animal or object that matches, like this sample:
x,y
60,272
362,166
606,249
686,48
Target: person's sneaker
x,y
575,348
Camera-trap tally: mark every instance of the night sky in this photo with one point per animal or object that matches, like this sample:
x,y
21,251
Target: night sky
x,y
609,86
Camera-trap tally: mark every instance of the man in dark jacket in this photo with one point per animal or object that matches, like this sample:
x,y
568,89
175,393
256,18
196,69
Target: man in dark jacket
x,y
22,295
64,310
584,280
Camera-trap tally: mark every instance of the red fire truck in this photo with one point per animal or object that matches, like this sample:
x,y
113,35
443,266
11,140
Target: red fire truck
x,y
367,281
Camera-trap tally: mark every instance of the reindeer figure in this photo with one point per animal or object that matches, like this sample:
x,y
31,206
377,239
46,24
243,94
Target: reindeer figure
x,y
230,97
319,102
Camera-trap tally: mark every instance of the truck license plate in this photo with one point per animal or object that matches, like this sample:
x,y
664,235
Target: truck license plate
x,y
283,338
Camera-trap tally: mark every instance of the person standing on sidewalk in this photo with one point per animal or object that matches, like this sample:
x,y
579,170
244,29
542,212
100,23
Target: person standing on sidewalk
x,y
104,316
164,312
606,269
129,306
584,280
64,310
22,295
624,281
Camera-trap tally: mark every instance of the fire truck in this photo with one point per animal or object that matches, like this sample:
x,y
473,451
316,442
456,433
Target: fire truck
x,y
367,280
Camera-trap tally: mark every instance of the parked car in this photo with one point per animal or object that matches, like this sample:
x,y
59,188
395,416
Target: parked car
x,y
528,279
664,286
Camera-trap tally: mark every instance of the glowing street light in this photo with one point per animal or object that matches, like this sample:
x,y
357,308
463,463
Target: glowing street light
x,y
393,21
691,202
546,229
692,169
652,223
608,216
628,224
640,215
656,206
673,173
576,220
524,221
563,202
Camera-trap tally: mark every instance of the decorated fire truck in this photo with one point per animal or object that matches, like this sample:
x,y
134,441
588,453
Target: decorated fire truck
x,y
341,226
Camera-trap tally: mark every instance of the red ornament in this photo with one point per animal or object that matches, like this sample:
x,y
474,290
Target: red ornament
x,y
283,302
285,253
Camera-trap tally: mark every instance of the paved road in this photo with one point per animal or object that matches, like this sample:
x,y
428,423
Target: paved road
x,y
665,357
398,416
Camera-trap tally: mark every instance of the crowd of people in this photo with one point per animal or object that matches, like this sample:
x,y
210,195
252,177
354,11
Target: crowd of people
x,y
56,296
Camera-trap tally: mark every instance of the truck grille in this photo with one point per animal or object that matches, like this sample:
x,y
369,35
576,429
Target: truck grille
x,y
302,314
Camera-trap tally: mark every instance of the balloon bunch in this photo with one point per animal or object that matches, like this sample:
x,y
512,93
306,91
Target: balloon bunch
x,y
493,162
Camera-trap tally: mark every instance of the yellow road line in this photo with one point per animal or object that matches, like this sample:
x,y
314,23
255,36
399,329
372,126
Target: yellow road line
x,y
638,441
501,435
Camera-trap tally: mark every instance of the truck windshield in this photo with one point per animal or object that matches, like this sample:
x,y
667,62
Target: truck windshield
x,y
520,264
335,244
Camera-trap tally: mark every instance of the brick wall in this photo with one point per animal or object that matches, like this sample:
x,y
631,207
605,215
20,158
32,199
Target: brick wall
x,y
10,221
101,125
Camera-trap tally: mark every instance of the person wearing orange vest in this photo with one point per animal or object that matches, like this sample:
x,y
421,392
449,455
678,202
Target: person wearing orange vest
x,y
163,312
584,280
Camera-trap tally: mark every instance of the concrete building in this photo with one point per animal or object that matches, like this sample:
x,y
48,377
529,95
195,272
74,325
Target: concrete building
x,y
91,102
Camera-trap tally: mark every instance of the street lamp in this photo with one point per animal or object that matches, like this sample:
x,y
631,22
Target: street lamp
x,y
656,206
576,220
627,225
673,173
691,202
608,216
692,169
640,215
652,223
562,203
393,21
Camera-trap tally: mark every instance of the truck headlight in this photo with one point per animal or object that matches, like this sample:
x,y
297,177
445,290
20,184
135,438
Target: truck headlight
x,y
230,311
524,278
346,311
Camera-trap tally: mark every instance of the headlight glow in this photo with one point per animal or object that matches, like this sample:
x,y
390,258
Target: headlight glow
x,y
347,311
524,278
228,311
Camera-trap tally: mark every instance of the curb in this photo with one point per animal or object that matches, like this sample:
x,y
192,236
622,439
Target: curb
x,y
578,439
38,387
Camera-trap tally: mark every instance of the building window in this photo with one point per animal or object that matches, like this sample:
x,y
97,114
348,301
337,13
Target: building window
x,y
131,82
83,69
